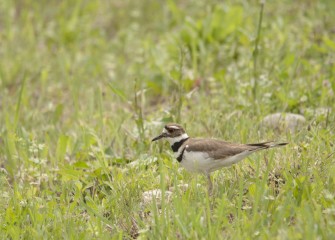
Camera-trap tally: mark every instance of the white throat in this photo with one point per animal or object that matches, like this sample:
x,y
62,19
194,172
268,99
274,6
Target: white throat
x,y
177,139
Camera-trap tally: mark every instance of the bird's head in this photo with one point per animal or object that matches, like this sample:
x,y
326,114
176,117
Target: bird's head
x,y
172,132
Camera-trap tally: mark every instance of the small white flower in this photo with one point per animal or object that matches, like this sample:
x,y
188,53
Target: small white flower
x,y
23,203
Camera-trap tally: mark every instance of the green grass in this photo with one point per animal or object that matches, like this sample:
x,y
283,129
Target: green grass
x,y
85,85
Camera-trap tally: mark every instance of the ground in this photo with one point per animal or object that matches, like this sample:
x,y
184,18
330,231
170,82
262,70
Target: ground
x,y
85,86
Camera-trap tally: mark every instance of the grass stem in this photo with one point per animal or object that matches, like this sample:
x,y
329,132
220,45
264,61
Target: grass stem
x,y
256,50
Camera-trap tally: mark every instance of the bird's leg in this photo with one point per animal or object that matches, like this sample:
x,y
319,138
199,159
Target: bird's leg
x,y
210,184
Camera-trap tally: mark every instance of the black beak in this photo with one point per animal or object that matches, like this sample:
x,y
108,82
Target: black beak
x,y
159,137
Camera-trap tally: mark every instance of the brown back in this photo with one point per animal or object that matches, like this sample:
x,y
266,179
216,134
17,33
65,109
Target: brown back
x,y
218,149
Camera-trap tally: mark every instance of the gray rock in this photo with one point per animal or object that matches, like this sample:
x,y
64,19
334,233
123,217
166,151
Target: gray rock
x,y
284,122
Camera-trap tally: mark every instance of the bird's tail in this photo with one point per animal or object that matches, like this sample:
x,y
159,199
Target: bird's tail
x,y
267,144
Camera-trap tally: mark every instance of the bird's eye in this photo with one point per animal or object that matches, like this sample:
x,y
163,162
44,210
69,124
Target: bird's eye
x,y
170,130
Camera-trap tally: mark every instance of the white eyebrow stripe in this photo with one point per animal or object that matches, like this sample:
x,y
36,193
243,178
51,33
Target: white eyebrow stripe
x,y
173,127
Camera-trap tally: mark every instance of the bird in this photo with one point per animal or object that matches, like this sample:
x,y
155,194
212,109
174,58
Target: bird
x,y
206,155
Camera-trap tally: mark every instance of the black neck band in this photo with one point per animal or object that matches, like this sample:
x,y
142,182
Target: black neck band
x,y
180,157
175,147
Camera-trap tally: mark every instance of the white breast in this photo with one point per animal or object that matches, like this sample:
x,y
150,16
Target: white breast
x,y
201,162
195,161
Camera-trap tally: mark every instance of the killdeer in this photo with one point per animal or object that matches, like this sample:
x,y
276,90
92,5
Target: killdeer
x,y
204,155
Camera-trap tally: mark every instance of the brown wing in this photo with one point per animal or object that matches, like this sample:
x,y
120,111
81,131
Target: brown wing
x,y
219,149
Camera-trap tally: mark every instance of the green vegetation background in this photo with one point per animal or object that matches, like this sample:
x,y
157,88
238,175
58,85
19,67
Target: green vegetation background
x,y
86,84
